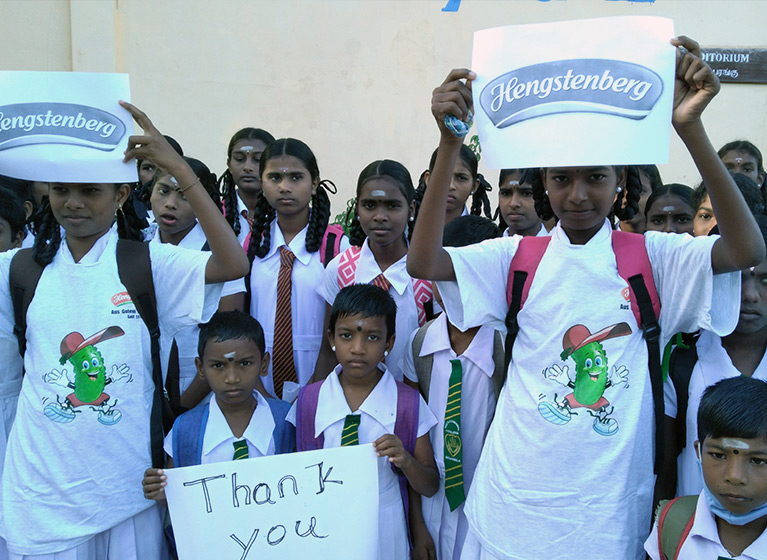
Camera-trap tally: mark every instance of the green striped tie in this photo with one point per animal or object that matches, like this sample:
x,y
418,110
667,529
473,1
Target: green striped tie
x,y
240,450
350,435
452,435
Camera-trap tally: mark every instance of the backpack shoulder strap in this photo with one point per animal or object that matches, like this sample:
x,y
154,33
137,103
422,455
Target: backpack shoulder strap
x,y
524,264
501,368
684,356
24,276
406,429
423,364
331,243
632,259
135,269
675,520
284,434
306,412
347,266
424,297
188,435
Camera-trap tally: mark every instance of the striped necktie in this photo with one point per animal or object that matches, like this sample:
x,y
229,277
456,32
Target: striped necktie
x,y
350,435
452,434
283,367
240,450
381,282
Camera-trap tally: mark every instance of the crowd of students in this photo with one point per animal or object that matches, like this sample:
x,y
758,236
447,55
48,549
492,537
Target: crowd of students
x,y
535,378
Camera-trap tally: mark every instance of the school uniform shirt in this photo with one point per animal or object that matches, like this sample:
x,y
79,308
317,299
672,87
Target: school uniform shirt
x,y
79,446
714,364
559,469
242,211
218,441
187,338
401,291
378,414
703,541
308,307
543,232
449,529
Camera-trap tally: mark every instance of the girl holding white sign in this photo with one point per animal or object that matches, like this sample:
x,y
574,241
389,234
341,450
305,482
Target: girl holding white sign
x,y
564,470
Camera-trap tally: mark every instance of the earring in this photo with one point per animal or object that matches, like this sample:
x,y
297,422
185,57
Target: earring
x,y
412,219
620,189
386,353
547,193
333,348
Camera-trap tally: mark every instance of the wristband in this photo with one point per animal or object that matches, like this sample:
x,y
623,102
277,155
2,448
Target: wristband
x,y
457,126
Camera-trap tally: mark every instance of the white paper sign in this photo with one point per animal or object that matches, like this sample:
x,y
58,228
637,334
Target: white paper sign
x,y
65,127
588,92
316,504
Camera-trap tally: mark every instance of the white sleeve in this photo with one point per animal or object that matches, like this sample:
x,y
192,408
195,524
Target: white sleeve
x,y
233,287
406,363
291,415
183,298
327,287
692,297
168,444
426,418
478,296
651,544
670,406
7,319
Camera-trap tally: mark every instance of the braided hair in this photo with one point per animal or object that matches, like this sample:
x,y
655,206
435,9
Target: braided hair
x,y
319,205
381,168
226,185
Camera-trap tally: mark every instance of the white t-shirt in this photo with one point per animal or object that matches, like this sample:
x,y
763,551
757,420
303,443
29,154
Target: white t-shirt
x,y
307,306
401,291
74,468
714,364
703,541
449,529
218,441
551,464
187,338
378,415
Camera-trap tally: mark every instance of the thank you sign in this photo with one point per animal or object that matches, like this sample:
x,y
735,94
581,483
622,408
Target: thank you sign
x,y
315,504
589,92
64,127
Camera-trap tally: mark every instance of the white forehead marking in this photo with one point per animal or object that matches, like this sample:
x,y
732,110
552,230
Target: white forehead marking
x,y
378,193
173,180
735,443
230,355
246,149
284,170
738,160
669,208
513,183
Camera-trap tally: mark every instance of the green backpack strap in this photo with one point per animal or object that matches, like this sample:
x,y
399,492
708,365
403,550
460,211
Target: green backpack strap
x,y
423,364
675,519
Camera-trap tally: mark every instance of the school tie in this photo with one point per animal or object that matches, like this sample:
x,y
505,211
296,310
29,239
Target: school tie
x,y
240,450
350,434
283,367
381,282
452,435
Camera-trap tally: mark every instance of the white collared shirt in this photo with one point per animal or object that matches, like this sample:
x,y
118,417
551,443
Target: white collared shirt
x,y
308,307
401,291
242,213
543,232
703,541
218,441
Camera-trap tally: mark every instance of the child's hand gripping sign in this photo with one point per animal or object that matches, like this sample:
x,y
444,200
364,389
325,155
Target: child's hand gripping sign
x,y
574,93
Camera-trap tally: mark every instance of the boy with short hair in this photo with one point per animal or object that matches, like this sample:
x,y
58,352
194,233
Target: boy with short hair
x,y
238,422
729,519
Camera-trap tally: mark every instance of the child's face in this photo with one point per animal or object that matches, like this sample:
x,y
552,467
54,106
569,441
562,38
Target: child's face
x,y
753,299
461,187
233,369
244,165
704,220
671,214
360,343
7,239
735,471
170,207
383,211
517,206
86,210
581,197
287,185
146,171
745,163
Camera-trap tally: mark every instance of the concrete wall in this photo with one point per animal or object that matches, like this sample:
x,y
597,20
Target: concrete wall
x,y
352,78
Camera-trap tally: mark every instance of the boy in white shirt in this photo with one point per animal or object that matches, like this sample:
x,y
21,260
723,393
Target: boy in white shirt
x,y
730,515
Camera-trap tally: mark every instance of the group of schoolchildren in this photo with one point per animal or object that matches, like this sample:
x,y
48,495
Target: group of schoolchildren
x,y
532,391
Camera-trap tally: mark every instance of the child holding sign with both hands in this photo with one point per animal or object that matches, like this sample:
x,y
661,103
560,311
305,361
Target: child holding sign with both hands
x,y
561,470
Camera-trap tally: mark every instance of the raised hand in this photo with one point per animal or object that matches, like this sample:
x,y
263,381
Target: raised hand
x,y
695,84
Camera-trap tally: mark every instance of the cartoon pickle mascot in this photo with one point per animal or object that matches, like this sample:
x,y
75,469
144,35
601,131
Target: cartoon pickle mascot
x,y
89,378
591,378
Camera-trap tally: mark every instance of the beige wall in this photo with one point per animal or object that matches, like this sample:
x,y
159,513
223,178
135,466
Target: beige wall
x,y
352,78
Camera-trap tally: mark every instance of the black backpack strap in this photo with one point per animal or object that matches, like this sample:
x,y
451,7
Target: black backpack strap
x,y
651,333
330,243
24,276
512,326
135,269
683,360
